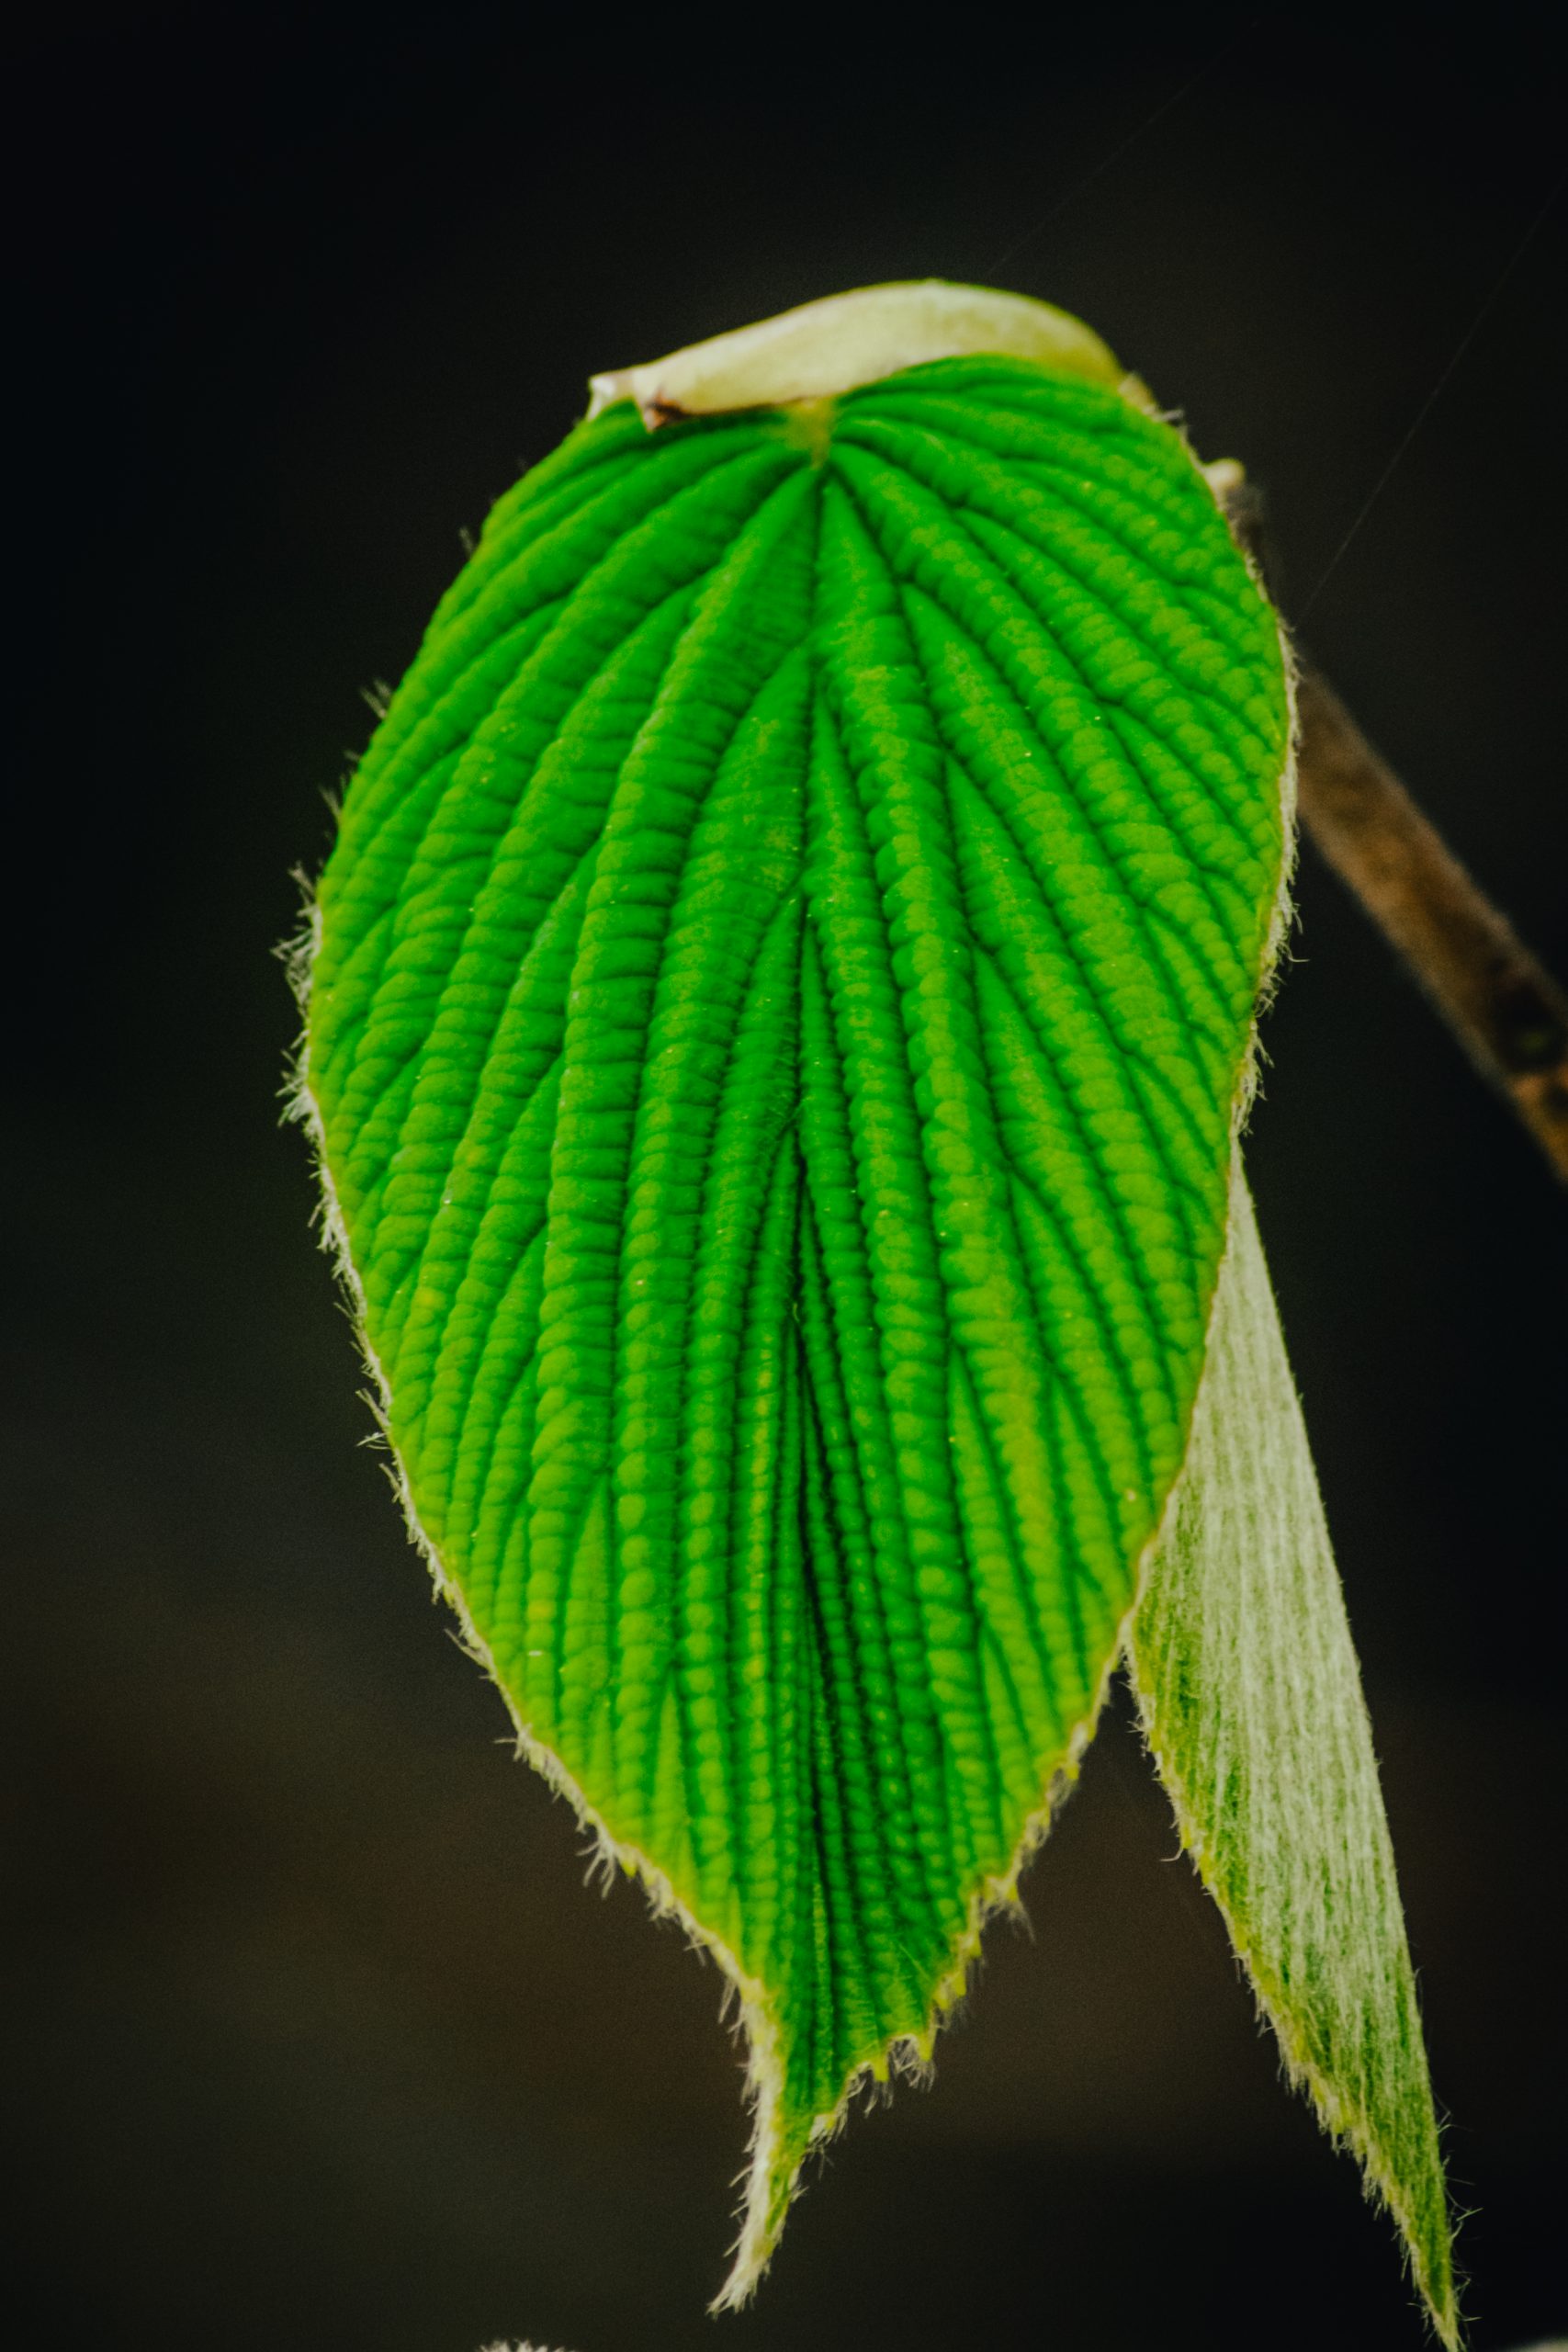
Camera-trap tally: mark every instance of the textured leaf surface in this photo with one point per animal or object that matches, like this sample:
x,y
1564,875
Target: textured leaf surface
x,y
783,985
1251,1698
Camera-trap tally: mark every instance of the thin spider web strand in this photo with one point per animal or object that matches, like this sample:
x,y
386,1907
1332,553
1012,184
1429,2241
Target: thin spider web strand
x,y
1427,405
1166,106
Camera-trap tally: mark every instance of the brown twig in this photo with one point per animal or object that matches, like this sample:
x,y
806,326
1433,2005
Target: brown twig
x,y
1507,1011
1506,1008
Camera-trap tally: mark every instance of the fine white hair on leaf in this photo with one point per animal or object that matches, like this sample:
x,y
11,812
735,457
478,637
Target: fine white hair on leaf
x,y
504,2346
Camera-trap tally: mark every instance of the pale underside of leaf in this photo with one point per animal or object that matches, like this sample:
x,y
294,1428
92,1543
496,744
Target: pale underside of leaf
x,y
1241,1655
782,1000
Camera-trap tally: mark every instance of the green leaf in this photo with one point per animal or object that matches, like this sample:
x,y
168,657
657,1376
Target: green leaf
x,y
781,1005
1247,1678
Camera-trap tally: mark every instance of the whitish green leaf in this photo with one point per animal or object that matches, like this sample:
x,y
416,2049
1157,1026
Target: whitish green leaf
x,y
1251,1699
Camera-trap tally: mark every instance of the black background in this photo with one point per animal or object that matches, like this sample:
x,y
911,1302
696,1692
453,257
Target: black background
x,y
316,2038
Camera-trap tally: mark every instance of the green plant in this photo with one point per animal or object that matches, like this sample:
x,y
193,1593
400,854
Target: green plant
x,y
781,1019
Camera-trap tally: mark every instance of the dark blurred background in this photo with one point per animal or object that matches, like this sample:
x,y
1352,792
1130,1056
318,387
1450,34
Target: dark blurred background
x,y
315,2036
